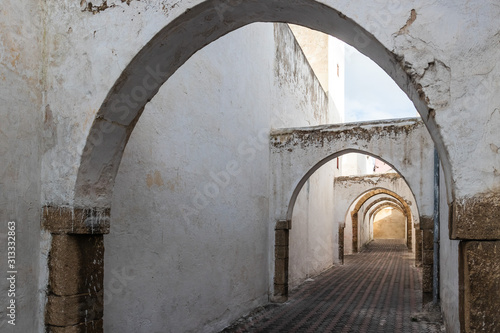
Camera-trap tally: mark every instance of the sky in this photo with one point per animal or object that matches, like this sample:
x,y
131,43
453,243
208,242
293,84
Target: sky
x,y
371,94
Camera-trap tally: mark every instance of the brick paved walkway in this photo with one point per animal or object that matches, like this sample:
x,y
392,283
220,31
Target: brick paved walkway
x,y
377,290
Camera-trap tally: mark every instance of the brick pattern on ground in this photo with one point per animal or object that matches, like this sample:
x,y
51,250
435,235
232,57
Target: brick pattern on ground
x,y
376,290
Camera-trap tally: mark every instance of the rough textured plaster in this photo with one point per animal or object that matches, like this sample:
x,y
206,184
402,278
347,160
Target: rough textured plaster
x,y
194,243
404,144
448,253
20,144
446,70
455,42
314,235
307,10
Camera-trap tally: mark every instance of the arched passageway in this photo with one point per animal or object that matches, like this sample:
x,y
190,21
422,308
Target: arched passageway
x,y
388,222
178,41
285,258
367,196
89,205
376,204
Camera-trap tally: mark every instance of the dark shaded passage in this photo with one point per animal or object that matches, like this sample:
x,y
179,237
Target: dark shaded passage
x,y
377,290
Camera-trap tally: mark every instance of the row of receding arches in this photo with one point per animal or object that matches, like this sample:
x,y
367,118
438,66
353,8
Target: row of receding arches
x,y
361,211
388,198
173,45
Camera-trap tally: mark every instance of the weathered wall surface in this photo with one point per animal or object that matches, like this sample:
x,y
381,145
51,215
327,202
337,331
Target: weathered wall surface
x,y
314,44
449,54
87,47
389,224
364,227
190,210
448,266
298,152
296,86
425,48
313,228
22,130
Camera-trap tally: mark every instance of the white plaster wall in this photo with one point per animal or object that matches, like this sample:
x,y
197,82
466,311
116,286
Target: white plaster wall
x,y
296,152
21,141
313,228
448,266
347,233
354,164
189,224
435,49
336,79
296,86
314,44
85,53
365,224
363,227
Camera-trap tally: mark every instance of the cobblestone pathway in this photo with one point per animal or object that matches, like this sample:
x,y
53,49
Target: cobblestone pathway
x,y
377,290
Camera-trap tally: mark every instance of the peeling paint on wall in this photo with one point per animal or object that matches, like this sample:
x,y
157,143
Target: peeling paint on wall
x,y
88,6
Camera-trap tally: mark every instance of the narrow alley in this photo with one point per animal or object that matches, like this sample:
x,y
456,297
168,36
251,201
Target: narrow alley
x,y
186,166
376,290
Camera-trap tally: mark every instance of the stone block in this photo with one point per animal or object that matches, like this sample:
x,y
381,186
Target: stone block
x,y
427,274
88,327
76,264
428,257
341,244
418,248
476,218
480,286
281,252
282,238
427,240
426,223
280,290
281,271
69,220
72,310
283,225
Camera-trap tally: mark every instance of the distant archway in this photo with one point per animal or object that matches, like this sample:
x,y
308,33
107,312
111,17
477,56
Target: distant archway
x,y
379,208
304,179
384,200
361,200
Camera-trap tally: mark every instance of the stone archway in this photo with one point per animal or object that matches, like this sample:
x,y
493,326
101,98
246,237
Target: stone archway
x,y
383,200
87,218
377,201
283,227
175,43
382,206
374,208
363,199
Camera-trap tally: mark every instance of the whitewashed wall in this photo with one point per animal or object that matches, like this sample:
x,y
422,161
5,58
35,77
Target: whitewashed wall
x,y
190,208
312,237
23,127
58,61
448,266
